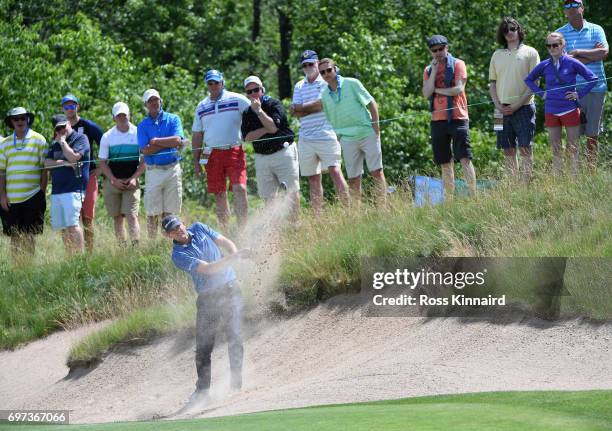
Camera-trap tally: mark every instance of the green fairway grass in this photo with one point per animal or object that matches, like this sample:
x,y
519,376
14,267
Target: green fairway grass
x,y
499,411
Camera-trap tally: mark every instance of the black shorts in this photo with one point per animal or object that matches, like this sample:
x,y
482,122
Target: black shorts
x,y
25,217
443,134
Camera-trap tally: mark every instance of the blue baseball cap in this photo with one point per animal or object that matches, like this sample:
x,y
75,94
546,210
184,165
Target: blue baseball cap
x,y
308,56
170,222
70,98
213,75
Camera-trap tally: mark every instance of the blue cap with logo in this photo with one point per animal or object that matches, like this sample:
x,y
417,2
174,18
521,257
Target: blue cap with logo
x,y
70,98
213,75
308,56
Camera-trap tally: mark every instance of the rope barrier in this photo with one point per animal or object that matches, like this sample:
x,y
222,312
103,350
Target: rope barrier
x,y
409,115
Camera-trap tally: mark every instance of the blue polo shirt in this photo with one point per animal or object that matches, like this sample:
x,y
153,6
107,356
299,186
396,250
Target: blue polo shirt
x,y
164,126
201,248
586,38
64,179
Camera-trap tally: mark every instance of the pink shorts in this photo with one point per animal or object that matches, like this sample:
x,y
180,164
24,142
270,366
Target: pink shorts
x,y
571,119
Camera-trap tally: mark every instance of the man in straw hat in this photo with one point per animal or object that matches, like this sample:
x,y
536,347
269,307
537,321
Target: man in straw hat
x,y
22,182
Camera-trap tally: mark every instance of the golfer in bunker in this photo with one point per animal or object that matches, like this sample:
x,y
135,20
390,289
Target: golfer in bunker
x,y
196,249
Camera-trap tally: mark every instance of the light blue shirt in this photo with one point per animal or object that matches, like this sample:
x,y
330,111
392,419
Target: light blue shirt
x,y
589,36
201,248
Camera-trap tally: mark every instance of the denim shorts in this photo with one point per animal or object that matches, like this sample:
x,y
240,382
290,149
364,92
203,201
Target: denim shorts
x,y
66,209
519,128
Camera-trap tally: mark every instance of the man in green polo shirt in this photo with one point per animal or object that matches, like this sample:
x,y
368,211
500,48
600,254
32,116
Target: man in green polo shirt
x,y
22,182
353,113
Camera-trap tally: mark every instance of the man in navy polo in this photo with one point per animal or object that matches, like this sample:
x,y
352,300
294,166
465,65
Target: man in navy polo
x,y
160,137
71,106
196,250
69,177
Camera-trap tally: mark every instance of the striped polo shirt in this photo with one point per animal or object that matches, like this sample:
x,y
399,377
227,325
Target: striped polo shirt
x,y
220,119
586,38
121,151
313,126
22,160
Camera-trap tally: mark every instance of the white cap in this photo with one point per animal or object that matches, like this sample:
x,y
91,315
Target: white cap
x,y
121,108
254,79
151,92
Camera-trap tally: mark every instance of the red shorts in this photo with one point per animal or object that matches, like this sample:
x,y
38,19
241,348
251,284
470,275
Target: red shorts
x,y
571,119
223,164
88,210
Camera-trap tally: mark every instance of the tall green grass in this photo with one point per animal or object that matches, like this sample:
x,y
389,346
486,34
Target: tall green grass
x,y
551,217
58,291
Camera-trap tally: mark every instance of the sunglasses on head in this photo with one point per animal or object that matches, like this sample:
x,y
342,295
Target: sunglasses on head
x,y
253,90
437,49
510,30
552,45
213,82
70,107
21,118
323,72
572,5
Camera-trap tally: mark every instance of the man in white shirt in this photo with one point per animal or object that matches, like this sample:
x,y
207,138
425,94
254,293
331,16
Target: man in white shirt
x,y
217,145
121,164
318,144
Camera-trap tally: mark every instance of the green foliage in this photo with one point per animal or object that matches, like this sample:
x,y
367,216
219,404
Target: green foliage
x,y
114,50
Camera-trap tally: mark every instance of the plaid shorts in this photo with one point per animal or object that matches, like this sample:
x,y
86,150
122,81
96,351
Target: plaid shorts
x,y
519,128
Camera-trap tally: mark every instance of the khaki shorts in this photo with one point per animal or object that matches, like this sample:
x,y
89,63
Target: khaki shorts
x,y
163,190
120,202
314,154
355,152
273,169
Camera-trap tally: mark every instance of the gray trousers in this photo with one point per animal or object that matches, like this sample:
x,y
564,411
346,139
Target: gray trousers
x,y
218,309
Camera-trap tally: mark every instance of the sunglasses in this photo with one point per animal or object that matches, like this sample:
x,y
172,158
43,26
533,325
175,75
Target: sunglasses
x,y
213,83
69,107
433,51
552,45
21,118
572,5
323,72
253,90
510,30
307,65
60,128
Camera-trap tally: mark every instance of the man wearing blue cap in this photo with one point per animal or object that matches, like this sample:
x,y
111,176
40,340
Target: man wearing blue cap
x,y
217,145
70,106
196,250
318,146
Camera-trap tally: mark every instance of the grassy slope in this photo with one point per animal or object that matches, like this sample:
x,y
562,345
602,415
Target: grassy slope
x,y
554,217
323,257
499,411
